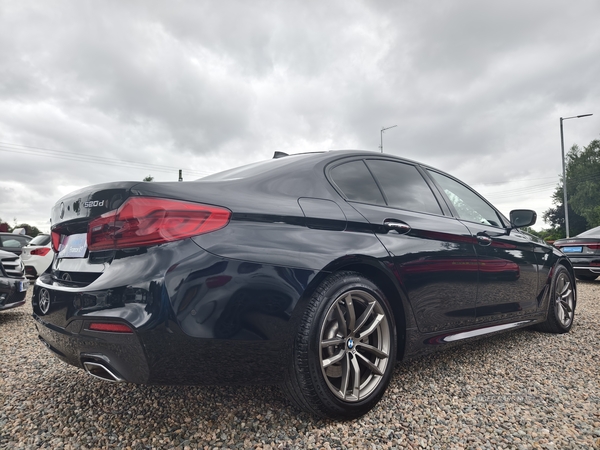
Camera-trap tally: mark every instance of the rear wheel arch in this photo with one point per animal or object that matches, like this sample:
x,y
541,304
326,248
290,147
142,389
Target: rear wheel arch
x,y
375,270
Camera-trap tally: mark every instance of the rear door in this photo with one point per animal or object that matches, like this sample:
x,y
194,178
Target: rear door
x,y
508,274
433,253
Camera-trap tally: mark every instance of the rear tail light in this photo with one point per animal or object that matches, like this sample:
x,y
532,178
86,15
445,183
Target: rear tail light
x,y
110,327
43,251
55,240
593,246
143,221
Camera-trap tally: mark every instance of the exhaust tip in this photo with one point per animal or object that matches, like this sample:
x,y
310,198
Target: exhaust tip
x,y
102,372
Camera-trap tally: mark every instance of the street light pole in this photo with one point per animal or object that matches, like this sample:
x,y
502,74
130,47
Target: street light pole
x,y
562,150
382,130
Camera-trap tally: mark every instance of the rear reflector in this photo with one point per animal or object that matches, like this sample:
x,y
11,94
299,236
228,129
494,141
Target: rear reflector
x,y
110,327
43,251
143,221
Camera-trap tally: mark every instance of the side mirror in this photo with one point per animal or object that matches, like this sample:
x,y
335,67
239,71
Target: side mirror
x,y
522,218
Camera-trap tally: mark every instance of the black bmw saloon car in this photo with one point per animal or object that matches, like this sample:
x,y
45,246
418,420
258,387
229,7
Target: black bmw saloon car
x,y
313,271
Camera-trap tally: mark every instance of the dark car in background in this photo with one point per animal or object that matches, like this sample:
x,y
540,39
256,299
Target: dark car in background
x,y
13,284
14,243
314,271
583,251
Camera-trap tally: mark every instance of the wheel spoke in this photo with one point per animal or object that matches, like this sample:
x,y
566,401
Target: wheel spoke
x,y
341,320
561,315
371,366
566,295
330,342
566,306
351,312
564,313
565,287
334,359
373,350
364,317
345,376
372,327
355,378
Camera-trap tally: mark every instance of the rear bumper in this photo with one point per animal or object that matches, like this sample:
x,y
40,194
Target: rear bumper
x,y
167,356
122,353
196,319
35,266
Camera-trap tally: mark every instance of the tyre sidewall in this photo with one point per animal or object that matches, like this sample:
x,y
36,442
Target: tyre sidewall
x,y
333,292
552,309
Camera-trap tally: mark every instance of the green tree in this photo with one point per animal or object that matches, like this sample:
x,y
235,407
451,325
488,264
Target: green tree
x,y
556,217
583,191
148,178
584,169
5,227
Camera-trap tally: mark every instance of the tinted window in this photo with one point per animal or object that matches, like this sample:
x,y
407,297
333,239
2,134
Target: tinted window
x,y
356,182
403,186
14,241
469,205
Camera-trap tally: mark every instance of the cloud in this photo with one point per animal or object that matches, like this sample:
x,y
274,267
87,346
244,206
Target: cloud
x,y
474,88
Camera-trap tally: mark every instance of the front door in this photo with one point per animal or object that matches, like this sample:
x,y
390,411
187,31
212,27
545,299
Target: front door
x,y
433,254
508,274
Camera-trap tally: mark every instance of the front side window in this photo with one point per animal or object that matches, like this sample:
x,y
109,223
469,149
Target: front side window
x,y
469,205
403,186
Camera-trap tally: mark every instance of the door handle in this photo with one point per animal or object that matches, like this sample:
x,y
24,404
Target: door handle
x,y
400,227
484,239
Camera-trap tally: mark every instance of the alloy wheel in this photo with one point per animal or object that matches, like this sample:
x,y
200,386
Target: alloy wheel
x,y
354,345
564,298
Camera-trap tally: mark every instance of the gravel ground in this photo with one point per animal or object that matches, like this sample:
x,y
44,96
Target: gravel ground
x,y
518,390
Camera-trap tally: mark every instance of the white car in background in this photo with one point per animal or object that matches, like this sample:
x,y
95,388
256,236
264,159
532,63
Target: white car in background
x,y
37,255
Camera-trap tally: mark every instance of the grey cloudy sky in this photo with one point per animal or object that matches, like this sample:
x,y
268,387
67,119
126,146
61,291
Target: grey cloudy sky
x,y
96,91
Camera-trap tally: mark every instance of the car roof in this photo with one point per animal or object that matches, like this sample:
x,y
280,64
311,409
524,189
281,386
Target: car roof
x,y
592,232
300,161
4,233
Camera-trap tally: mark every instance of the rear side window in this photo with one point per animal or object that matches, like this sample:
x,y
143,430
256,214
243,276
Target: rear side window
x,y
403,186
357,183
13,241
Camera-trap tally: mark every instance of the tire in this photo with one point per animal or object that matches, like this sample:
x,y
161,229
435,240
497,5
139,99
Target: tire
x,y
561,304
586,277
345,350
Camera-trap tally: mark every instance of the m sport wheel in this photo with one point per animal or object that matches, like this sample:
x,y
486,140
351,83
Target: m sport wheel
x,y
345,350
561,307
